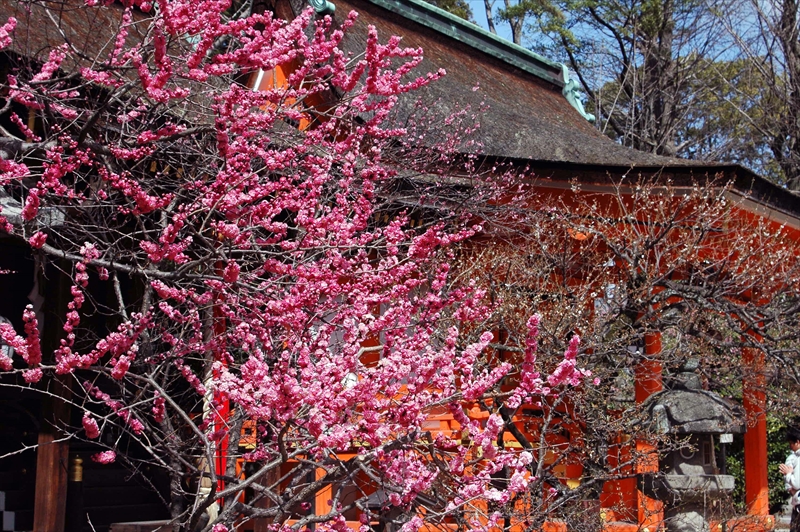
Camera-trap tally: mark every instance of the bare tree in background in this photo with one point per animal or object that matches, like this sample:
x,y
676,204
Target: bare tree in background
x,y
612,267
767,36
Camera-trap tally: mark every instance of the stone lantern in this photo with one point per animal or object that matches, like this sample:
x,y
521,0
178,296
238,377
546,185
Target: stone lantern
x,y
689,479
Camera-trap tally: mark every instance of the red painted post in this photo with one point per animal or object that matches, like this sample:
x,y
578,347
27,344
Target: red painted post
x,y
220,404
755,439
647,372
649,380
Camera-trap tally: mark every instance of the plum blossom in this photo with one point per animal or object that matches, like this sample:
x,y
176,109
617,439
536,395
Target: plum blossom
x,y
38,240
413,525
90,426
159,410
105,457
121,367
32,375
567,371
5,32
231,272
89,252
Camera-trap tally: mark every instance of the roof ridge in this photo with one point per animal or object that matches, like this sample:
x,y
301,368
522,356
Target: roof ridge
x,y
473,35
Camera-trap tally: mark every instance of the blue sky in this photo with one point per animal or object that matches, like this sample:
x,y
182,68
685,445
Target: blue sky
x,y
479,13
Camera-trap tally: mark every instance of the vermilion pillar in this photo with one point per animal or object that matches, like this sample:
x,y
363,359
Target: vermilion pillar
x,y
649,381
221,407
220,404
323,498
647,372
755,439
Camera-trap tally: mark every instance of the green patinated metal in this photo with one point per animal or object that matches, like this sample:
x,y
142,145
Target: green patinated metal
x,y
322,7
571,92
476,37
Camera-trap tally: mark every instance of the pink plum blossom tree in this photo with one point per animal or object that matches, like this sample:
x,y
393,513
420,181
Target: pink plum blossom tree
x,y
247,302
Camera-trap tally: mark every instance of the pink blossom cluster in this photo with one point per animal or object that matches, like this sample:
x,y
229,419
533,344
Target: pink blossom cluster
x,y
116,406
105,457
90,426
23,127
5,32
568,371
530,379
28,348
264,275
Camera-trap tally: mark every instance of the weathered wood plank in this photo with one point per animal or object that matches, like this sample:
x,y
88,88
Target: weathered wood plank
x,y
141,526
50,499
